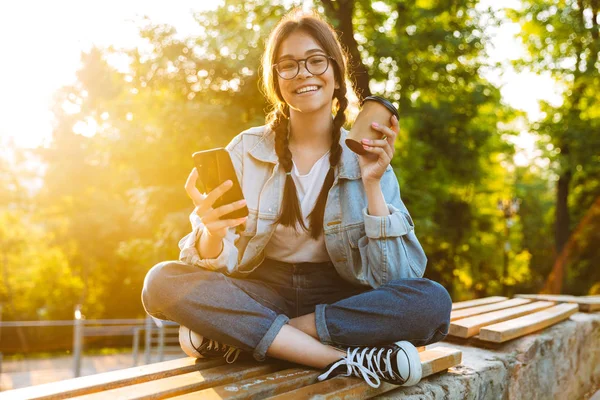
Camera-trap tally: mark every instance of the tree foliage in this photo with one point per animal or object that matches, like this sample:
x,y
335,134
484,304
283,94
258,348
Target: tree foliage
x,y
563,37
112,202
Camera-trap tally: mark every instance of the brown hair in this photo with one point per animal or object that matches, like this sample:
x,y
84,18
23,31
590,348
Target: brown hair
x,y
278,118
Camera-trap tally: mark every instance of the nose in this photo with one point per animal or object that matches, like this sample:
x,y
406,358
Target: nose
x,y
302,70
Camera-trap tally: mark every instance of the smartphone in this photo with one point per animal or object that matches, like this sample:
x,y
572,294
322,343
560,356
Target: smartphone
x,y
215,167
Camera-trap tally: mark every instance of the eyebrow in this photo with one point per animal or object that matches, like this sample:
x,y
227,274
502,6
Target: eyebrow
x,y
311,51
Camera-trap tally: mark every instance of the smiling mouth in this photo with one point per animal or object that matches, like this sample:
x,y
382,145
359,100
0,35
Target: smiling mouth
x,y
307,89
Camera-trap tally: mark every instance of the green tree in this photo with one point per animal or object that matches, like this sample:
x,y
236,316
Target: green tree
x,y
428,56
123,140
113,204
563,38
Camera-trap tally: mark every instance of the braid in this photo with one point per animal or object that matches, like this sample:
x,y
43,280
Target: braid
x,y
280,127
318,213
338,123
291,211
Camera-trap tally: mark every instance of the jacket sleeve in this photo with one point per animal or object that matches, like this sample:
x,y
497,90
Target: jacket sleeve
x,y
228,259
390,249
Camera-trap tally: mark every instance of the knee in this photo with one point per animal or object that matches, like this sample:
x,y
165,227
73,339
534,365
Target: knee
x,y
430,309
439,312
155,286
430,299
441,301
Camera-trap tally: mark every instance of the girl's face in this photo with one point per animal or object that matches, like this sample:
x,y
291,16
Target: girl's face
x,y
305,92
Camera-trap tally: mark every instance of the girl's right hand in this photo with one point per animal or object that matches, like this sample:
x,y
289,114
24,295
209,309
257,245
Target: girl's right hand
x,y
204,206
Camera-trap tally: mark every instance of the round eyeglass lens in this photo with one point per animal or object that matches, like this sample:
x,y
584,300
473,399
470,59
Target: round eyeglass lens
x,y
316,65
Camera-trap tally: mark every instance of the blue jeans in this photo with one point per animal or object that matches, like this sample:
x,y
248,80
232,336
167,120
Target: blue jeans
x,y
249,312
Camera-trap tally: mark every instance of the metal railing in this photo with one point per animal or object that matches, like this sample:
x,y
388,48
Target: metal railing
x,y
161,329
158,333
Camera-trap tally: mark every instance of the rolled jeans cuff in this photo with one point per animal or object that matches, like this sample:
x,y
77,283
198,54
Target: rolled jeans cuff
x,y
322,330
260,352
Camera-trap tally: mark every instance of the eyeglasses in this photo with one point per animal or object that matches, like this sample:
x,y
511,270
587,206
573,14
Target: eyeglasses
x,y
315,65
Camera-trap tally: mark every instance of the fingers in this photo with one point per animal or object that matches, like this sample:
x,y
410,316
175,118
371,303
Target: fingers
x,y
203,202
381,143
190,188
191,179
390,132
218,212
218,192
390,136
380,152
201,209
225,223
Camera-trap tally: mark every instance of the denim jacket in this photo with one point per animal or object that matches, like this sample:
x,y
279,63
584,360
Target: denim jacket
x,y
365,249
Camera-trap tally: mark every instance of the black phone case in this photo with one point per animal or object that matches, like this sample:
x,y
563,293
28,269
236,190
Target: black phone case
x,y
215,167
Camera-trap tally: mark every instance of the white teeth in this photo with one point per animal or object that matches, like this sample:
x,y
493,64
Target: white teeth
x,y
307,89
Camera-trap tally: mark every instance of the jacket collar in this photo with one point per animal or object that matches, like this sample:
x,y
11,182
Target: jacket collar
x,y
264,150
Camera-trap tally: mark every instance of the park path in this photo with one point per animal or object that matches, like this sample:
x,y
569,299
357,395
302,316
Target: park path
x,y
27,372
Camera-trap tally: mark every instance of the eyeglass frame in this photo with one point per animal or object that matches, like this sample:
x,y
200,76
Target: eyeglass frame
x,y
305,67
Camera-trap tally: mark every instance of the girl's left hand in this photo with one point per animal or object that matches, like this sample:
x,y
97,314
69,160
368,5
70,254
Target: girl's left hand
x,y
379,152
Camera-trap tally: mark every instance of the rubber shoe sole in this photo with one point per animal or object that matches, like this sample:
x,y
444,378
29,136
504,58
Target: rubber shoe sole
x,y
187,340
413,363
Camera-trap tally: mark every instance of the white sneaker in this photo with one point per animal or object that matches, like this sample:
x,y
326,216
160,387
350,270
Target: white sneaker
x,y
197,346
398,364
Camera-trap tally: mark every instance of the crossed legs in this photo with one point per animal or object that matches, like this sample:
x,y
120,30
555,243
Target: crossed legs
x,y
251,316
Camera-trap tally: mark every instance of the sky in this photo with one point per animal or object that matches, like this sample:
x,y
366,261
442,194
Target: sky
x,y
41,41
40,46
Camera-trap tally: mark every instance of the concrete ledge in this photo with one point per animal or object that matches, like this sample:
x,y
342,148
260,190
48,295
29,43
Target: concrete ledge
x,y
560,362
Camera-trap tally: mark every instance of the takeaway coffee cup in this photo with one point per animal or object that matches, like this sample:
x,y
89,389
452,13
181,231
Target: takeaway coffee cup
x,y
374,109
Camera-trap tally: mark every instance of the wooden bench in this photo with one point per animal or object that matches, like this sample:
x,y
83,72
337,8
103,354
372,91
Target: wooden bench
x,y
213,379
585,303
494,319
499,319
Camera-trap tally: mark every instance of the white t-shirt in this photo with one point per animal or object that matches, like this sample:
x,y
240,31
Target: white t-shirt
x,y
290,246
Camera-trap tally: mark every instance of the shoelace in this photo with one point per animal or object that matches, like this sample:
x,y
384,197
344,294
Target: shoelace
x,y
354,363
230,350
213,344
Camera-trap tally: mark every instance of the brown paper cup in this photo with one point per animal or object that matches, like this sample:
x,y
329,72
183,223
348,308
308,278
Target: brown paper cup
x,y
374,109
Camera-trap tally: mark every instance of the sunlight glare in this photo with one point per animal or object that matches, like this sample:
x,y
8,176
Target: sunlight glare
x,y
44,40
47,55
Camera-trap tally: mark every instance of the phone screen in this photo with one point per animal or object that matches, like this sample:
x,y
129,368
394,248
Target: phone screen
x,y
208,171
215,167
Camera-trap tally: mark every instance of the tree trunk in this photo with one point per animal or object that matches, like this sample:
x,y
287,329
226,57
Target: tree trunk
x,y
561,233
340,13
554,282
561,230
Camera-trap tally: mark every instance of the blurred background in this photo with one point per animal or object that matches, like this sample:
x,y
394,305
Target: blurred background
x,y
102,104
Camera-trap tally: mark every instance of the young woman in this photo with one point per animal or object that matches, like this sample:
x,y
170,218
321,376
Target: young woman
x,y
326,270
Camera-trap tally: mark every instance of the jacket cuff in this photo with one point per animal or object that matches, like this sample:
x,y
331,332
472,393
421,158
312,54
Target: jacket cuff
x,y
393,225
189,250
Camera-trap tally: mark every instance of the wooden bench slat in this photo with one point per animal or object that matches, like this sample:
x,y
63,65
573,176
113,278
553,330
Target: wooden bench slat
x,y
185,383
258,387
468,312
110,380
586,303
432,361
439,359
507,330
477,302
263,386
468,327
